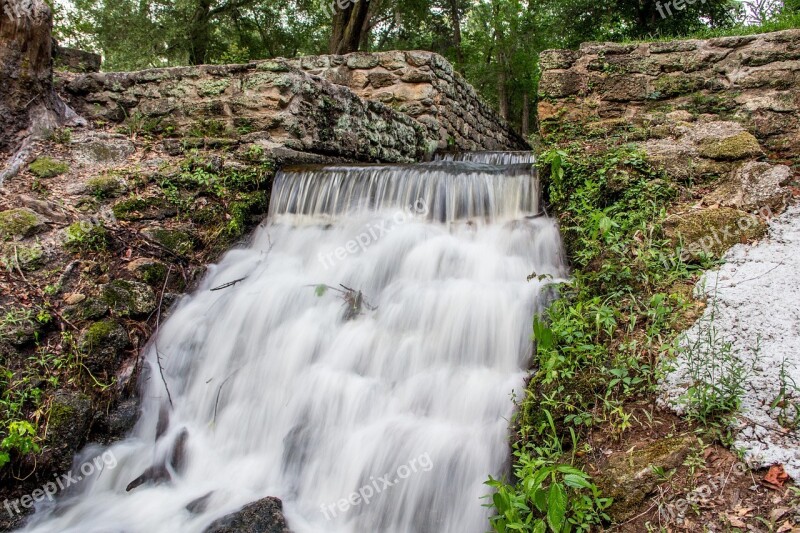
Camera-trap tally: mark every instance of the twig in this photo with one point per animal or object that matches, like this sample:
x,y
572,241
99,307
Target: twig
x,y
229,284
219,392
155,338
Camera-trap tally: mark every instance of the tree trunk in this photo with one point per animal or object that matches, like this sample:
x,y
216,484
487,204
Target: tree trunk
x,y
502,87
454,14
26,68
348,27
199,33
526,113
29,106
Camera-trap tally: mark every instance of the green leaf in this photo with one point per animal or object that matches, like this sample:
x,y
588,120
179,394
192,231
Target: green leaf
x,y
320,290
556,507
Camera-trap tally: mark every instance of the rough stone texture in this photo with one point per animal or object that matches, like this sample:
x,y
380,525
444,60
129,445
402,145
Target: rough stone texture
x,y
70,417
74,60
262,516
424,86
754,185
630,477
753,80
390,106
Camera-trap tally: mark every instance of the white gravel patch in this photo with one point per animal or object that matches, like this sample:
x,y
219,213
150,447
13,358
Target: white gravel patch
x,y
754,303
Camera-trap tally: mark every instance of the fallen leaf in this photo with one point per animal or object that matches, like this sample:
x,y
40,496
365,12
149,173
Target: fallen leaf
x,y
777,513
742,511
786,527
735,522
776,476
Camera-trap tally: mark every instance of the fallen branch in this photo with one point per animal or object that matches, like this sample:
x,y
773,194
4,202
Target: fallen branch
x,y
229,284
155,338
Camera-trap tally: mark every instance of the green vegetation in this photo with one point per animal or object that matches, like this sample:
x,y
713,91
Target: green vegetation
x,y
599,345
494,43
86,236
46,167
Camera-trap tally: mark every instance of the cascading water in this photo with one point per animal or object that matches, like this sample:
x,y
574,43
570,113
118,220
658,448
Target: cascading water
x,y
381,323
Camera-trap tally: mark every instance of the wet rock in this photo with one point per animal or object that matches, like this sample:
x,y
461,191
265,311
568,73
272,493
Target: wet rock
x,y
144,209
67,427
629,476
117,422
20,223
103,343
129,298
262,516
754,185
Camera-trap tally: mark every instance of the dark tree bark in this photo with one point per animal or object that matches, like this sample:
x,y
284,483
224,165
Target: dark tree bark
x,y
526,113
26,68
199,32
29,106
349,25
456,16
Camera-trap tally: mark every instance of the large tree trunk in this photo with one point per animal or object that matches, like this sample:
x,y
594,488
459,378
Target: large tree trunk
x,y
199,32
349,25
456,19
29,106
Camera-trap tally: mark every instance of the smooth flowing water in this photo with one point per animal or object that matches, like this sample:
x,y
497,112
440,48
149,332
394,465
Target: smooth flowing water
x,y
372,347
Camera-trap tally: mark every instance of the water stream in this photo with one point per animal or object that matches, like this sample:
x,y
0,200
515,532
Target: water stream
x,y
380,325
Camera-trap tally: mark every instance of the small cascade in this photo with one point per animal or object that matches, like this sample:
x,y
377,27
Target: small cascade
x,y
361,368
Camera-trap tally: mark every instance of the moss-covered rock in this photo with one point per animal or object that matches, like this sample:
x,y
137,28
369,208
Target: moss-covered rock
x,y
711,232
85,309
46,167
68,422
137,208
19,326
148,270
129,298
20,223
629,476
26,257
753,185
102,343
85,236
104,187
739,146
176,241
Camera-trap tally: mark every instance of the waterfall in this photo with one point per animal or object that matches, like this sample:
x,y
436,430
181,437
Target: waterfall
x,y
372,344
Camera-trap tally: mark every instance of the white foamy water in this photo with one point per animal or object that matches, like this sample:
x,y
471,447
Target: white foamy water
x,y
283,392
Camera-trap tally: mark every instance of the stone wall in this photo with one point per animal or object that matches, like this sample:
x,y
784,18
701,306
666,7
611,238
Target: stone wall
x,y
390,107
269,102
422,85
753,80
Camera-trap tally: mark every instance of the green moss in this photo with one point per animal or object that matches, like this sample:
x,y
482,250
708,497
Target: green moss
x,y
21,222
64,409
138,208
28,258
85,236
213,87
739,146
104,187
711,232
667,86
154,273
129,298
99,332
46,167
178,242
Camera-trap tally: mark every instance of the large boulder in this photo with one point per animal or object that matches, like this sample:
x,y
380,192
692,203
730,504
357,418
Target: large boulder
x,y
754,185
262,516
